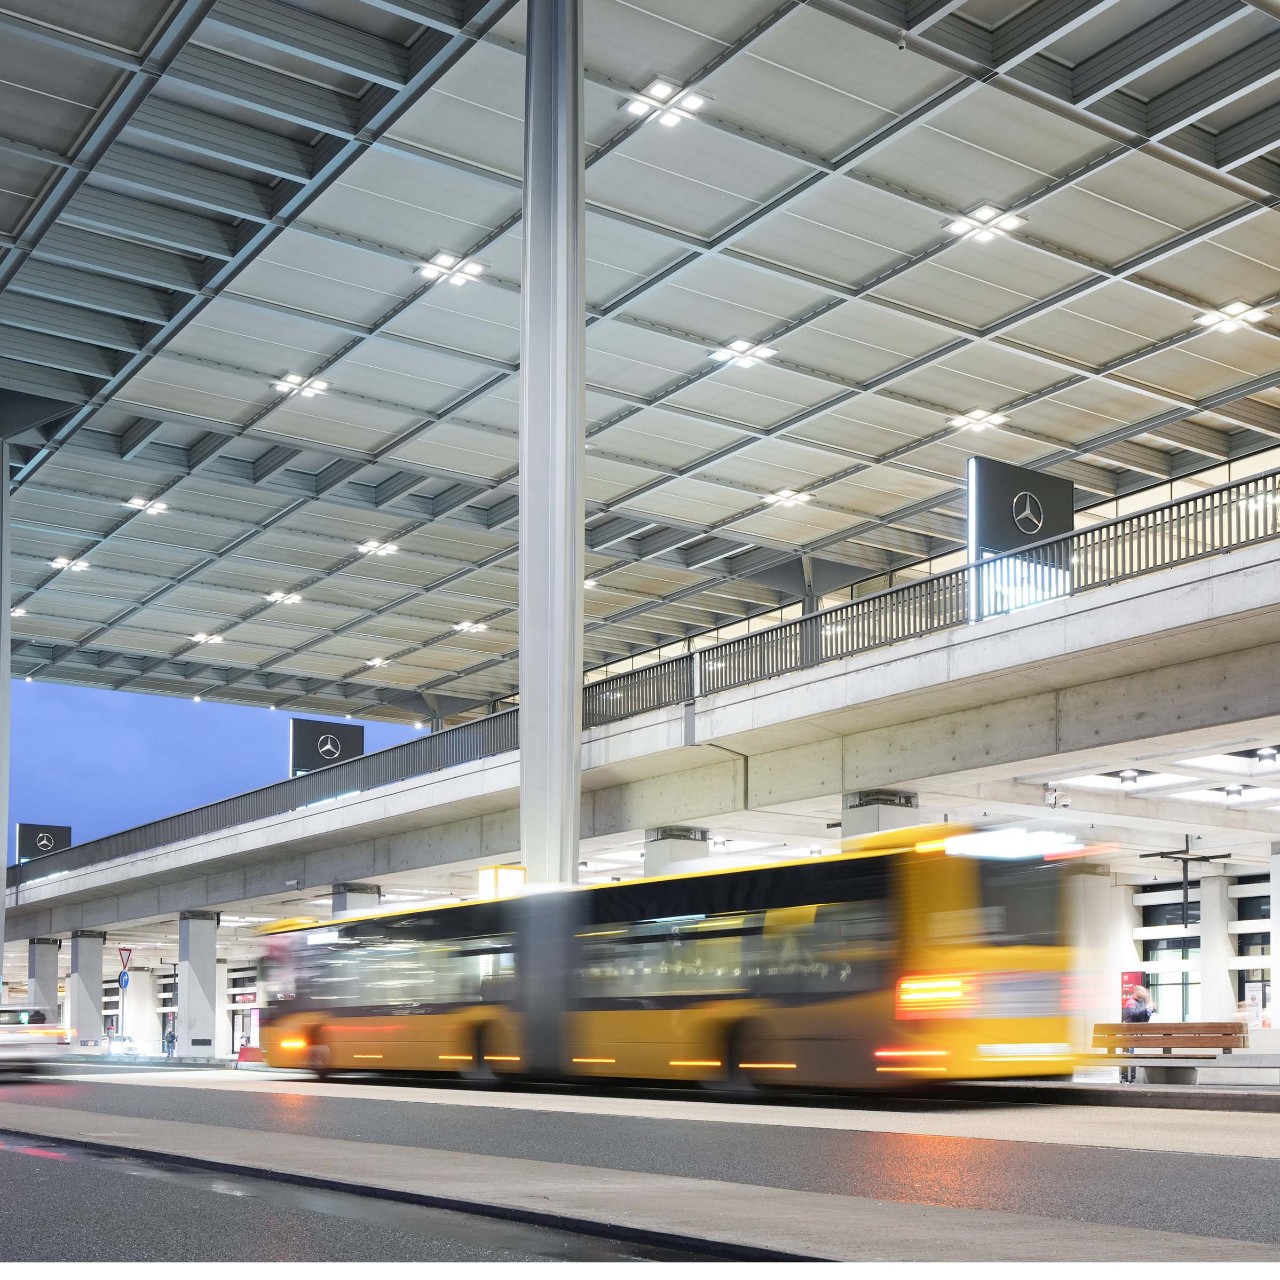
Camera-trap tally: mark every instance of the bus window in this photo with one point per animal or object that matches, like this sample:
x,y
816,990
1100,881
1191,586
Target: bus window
x,y
848,948
1016,904
663,958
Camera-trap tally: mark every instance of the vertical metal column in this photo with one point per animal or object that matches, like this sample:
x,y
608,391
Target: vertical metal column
x,y
6,603
552,417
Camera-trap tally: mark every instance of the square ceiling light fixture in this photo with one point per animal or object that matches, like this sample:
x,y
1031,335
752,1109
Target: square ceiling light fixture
x,y
786,498
450,267
284,597
985,223
671,103
1235,315
201,638
743,353
76,566
470,626
978,420
151,508
295,384
375,548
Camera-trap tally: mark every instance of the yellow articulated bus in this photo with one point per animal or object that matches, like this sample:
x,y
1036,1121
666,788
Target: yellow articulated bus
x,y
933,953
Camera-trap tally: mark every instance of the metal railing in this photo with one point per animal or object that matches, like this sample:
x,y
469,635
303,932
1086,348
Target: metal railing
x,y
1210,523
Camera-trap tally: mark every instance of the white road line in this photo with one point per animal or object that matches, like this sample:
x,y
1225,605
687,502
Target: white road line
x,y
1218,1133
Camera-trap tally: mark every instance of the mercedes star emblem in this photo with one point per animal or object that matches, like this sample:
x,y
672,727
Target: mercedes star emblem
x,y
44,842
1028,514
329,747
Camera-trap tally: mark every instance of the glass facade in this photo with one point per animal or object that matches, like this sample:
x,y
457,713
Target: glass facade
x,y
1176,995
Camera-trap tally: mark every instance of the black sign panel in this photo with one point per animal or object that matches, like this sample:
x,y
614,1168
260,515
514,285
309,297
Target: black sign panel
x,y
315,744
1012,507
35,839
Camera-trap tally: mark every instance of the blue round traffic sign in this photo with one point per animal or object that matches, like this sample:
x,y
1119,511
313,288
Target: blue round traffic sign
x,y
124,979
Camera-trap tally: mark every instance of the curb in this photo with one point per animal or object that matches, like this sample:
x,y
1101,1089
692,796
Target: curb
x,y
721,1250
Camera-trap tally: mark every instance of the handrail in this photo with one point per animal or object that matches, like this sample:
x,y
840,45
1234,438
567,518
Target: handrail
x,y
1209,523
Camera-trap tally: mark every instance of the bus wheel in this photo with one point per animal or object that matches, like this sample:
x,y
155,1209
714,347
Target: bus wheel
x,y
319,1061
734,1082
480,1073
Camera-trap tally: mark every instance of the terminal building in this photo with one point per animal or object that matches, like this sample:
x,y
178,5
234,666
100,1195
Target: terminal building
x,y
870,434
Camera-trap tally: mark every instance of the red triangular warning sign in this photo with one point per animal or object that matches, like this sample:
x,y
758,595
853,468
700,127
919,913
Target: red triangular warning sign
x,y
125,953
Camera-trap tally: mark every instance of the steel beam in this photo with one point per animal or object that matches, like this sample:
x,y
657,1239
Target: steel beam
x,y
1217,86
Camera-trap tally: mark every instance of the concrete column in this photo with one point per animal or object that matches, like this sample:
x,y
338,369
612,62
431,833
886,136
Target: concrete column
x,y
197,983
354,899
1217,982
6,640
1101,919
552,417
42,975
665,846
84,987
862,813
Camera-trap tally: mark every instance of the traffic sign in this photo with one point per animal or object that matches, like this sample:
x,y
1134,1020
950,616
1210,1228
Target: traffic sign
x,y
125,953
124,979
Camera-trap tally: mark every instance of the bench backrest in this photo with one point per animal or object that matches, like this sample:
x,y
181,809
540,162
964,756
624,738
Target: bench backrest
x,y
1170,1035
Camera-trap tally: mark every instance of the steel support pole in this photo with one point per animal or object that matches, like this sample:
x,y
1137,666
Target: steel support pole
x,y
6,627
552,417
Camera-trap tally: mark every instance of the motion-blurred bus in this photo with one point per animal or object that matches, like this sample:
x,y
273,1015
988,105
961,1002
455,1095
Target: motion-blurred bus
x,y
930,953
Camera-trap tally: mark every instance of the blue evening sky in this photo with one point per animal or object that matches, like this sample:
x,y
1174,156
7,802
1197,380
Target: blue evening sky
x,y
99,761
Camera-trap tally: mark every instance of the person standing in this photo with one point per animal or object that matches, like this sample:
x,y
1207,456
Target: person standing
x,y
170,1041
1138,1008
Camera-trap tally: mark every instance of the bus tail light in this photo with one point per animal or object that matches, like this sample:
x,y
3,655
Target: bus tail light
x,y
293,1043
937,995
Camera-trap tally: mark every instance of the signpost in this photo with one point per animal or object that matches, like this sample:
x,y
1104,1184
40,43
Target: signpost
x,y
126,953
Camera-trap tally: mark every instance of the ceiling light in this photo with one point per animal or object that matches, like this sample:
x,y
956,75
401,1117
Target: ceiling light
x,y
143,504
743,353
196,698
282,597
201,638
417,724
1232,794
787,497
1128,777
1266,753
589,583
375,662
373,548
984,224
450,267
296,384
27,679
1233,316
670,102
76,566
470,626
978,420
22,613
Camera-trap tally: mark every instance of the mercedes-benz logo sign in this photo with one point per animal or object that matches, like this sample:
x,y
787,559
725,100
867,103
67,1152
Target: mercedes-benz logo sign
x,y
44,842
1028,514
329,747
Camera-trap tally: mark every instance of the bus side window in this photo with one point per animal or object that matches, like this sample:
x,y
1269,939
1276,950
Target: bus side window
x,y
848,948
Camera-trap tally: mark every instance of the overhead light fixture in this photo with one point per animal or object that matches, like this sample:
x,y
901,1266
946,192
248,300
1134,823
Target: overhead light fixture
x,y
978,420
76,566
26,679
20,612
670,103
589,583
372,548
984,224
1266,753
375,662
201,637
450,267
196,698
471,626
284,597
417,724
296,384
1235,315
787,498
1233,794
151,508
1128,777
743,353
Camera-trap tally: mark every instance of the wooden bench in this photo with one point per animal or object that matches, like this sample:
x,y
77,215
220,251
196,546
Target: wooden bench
x,y
1134,1044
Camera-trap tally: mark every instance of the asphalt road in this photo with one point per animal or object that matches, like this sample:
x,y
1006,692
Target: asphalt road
x,y
66,1205
1223,1196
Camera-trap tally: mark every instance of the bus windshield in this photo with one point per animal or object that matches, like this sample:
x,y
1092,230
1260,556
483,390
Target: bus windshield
x,y
1021,903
